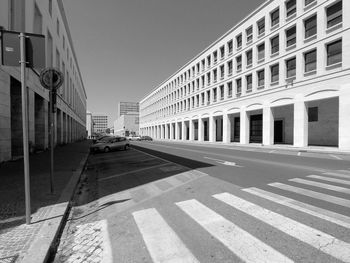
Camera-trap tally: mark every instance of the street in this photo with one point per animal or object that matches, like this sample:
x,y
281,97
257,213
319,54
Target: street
x,y
167,202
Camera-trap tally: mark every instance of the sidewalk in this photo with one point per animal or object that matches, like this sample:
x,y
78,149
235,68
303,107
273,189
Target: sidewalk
x,y
30,243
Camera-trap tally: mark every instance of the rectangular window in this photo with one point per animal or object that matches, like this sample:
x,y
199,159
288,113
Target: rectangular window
x,y
291,67
203,98
334,14
310,59
261,78
208,78
222,92
239,63
313,114
239,41
222,52
261,51
229,89
249,81
230,46
310,26
291,36
261,26
214,94
222,71
198,68
215,54
334,52
249,56
249,34
307,2
208,61
203,81
58,27
274,73
239,86
275,44
215,73
291,8
50,7
275,17
203,64
229,65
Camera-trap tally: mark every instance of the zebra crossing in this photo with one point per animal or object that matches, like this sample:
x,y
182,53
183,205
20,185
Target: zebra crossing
x,y
165,245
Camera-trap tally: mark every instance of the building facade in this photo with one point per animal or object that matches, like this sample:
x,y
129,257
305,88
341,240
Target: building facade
x,y
46,18
89,125
100,123
125,107
127,124
280,76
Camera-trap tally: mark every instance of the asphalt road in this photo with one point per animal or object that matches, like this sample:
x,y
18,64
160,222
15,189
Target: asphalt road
x,y
167,202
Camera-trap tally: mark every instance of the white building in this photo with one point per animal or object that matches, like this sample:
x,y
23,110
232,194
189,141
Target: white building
x,y
100,123
127,124
89,124
280,76
46,18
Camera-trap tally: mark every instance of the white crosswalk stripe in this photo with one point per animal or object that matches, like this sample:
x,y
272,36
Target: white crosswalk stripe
x,y
337,175
321,185
329,179
318,239
162,242
313,194
240,242
330,216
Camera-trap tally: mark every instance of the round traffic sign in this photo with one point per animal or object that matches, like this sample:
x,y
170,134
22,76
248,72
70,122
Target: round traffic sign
x,y
51,78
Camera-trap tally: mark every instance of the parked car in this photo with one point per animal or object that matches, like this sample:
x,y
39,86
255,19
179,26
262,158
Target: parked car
x,y
134,138
146,138
110,144
100,138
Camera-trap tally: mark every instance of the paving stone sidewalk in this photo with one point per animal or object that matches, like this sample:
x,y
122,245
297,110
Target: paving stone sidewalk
x,y
15,236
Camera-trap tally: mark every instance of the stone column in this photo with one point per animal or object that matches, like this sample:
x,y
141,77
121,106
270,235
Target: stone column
x,y
268,123
226,123
300,123
212,129
244,129
200,130
191,130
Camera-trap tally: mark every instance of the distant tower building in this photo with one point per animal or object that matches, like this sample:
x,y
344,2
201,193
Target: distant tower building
x,y
125,107
100,122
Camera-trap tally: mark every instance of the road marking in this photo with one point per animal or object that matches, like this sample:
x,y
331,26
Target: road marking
x,y
223,162
240,242
336,157
299,153
321,185
162,242
338,175
313,194
318,239
133,171
272,151
330,216
329,179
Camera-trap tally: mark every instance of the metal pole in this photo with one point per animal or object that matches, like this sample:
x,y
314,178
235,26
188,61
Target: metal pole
x,y
25,127
51,134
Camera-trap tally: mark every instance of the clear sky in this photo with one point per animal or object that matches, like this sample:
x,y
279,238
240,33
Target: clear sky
x,y
125,48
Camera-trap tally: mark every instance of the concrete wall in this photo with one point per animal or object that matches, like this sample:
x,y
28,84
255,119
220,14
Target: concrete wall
x,y
325,130
5,120
285,113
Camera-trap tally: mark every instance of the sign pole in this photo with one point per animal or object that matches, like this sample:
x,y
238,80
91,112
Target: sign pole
x,y
51,134
25,127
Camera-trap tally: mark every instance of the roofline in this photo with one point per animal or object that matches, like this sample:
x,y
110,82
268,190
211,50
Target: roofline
x,y
65,21
211,45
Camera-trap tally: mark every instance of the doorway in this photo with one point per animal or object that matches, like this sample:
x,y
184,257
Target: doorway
x,y
278,131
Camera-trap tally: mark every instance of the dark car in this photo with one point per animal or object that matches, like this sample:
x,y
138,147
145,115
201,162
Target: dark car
x,y
110,143
146,138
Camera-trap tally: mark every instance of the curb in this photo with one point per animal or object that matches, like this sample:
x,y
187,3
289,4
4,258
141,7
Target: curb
x,y
45,242
309,149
